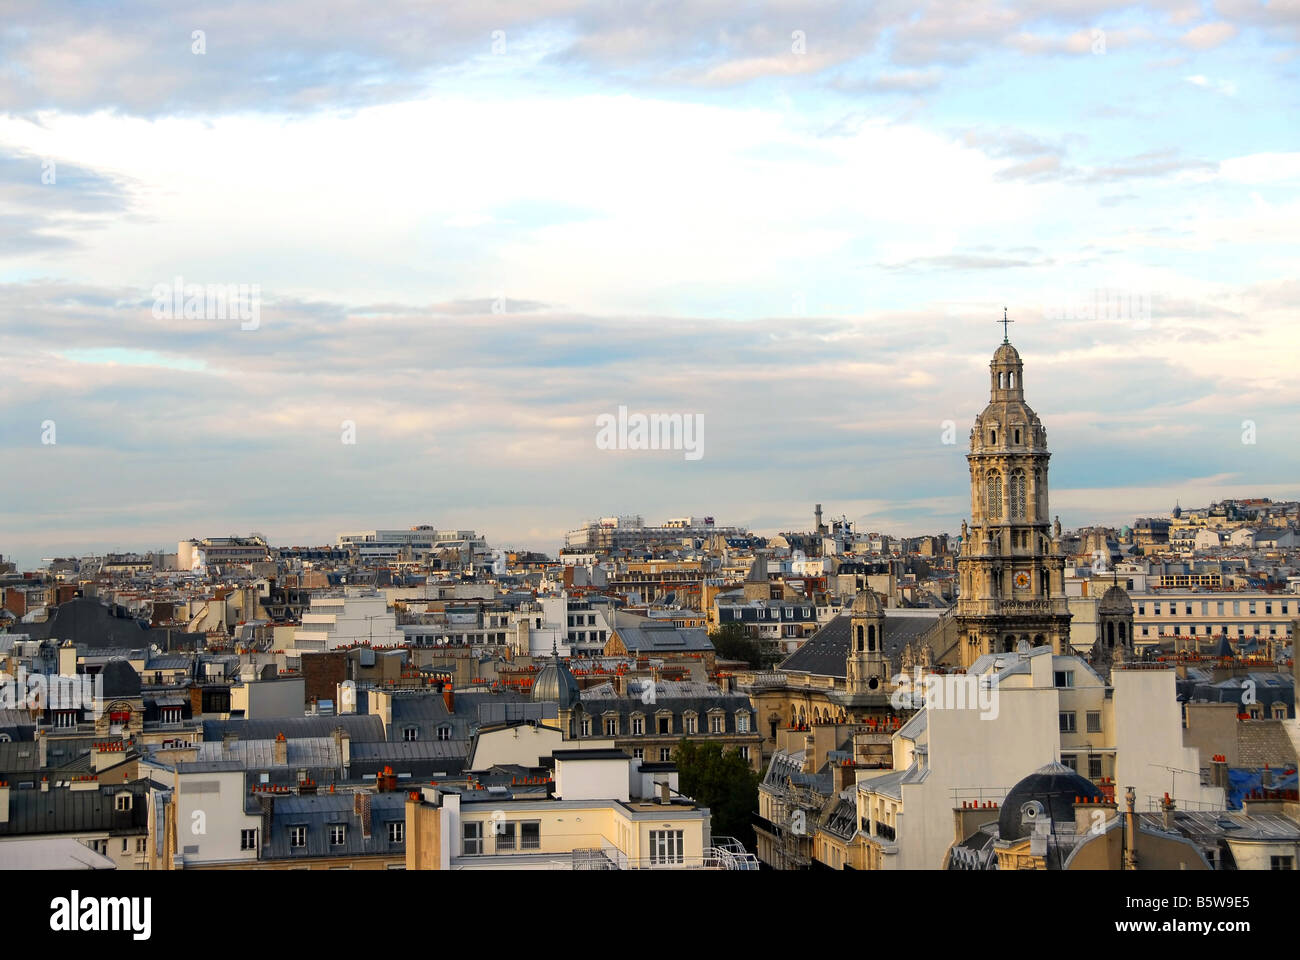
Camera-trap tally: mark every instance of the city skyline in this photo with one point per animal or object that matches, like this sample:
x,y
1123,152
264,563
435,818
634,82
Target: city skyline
x,y
798,226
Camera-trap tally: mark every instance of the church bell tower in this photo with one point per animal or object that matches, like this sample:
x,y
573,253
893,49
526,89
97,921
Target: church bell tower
x,y
1011,571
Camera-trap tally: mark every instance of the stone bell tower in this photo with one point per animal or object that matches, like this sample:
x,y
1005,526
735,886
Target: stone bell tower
x,y
1011,571
867,667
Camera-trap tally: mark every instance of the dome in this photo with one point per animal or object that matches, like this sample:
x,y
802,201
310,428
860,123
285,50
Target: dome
x,y
1116,601
1006,354
1054,788
867,604
555,683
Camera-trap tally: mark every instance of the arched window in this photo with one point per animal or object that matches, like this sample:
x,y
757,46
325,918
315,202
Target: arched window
x,y
993,487
1121,631
1011,380
871,637
859,637
1017,494
1000,379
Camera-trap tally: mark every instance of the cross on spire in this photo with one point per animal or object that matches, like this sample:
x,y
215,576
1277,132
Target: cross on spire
x,y
1004,321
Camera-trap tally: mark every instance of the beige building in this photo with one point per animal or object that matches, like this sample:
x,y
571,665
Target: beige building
x,y
601,816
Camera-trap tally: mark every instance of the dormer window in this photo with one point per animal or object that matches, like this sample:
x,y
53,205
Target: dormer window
x,y
1017,436
993,436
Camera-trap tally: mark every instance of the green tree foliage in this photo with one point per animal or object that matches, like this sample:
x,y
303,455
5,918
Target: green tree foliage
x,y
723,782
731,643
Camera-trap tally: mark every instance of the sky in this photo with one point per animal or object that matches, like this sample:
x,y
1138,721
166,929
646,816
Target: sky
x,y
471,229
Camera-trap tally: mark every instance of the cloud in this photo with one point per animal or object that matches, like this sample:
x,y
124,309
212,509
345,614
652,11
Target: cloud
x,y
1209,35
1226,87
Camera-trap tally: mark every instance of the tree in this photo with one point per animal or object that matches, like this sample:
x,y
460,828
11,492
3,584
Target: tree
x,y
731,643
723,782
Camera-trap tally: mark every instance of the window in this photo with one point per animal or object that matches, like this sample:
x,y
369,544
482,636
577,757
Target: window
x,y
1067,722
586,726
122,802
472,837
688,723
1094,766
994,490
1281,863
665,754
665,724
530,835
715,724
667,847
297,836
1065,678
338,833
248,839
505,834
141,843
638,725
742,723
744,752
1071,761
638,753
1094,721
396,831
444,733
410,733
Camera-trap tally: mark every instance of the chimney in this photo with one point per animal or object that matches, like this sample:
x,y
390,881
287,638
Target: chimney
x,y
1266,777
809,754
665,792
4,801
1219,771
42,748
228,737
1167,807
844,776
449,697
386,782
361,807
281,750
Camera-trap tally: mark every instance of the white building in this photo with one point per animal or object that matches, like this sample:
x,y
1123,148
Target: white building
x,y
340,621
1046,708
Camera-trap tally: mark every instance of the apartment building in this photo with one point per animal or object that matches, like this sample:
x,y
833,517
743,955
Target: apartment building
x,y
1242,616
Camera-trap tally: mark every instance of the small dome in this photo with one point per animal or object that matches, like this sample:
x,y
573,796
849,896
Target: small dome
x,y
867,604
1053,787
555,683
1006,353
1116,600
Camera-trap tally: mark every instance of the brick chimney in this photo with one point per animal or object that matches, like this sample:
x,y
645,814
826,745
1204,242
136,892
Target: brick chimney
x,y
449,697
361,807
281,750
809,754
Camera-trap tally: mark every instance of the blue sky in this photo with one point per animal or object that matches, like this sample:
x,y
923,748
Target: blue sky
x,y
475,227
